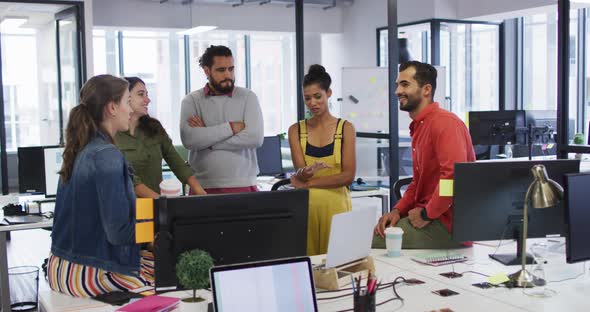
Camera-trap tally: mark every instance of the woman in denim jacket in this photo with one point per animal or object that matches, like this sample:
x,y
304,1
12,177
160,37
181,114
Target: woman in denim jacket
x,y
93,248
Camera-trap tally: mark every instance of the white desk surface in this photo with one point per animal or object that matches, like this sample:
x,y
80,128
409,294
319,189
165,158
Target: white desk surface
x,y
571,295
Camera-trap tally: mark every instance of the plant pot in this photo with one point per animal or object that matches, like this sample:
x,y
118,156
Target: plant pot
x,y
194,306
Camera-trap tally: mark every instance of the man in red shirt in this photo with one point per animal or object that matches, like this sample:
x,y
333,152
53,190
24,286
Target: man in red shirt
x,y
439,140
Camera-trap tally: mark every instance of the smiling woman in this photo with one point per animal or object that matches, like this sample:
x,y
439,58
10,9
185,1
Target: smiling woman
x,y
146,143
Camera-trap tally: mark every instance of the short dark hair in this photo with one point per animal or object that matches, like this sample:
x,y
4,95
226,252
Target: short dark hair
x,y
425,73
317,74
206,60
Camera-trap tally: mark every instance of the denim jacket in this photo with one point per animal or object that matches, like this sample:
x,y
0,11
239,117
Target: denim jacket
x,y
94,221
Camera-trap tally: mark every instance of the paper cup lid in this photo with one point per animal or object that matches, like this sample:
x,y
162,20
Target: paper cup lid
x,y
394,230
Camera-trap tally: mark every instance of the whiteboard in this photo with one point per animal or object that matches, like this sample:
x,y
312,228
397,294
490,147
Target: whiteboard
x,y
365,99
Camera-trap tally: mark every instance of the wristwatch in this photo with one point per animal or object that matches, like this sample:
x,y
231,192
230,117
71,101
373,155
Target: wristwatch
x,y
424,215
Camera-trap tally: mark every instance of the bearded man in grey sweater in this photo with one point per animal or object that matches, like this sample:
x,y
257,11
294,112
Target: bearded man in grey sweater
x,y
221,125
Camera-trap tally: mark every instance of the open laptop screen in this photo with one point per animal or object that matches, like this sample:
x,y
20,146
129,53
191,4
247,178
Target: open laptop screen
x,y
277,285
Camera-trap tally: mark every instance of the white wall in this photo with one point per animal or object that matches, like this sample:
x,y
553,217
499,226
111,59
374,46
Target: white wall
x,y
473,9
251,17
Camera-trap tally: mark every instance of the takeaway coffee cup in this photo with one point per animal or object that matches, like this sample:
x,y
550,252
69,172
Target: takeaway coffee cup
x,y
393,241
170,187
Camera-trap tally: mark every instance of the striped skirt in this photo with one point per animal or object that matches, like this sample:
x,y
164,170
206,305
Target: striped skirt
x,y
85,281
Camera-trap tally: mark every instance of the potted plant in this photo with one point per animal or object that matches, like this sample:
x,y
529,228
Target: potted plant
x,y
192,271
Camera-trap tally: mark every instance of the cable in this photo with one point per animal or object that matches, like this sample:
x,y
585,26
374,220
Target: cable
x,y
474,272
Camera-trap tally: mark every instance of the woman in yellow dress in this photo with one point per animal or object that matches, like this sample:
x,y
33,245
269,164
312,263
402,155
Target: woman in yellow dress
x,y
323,152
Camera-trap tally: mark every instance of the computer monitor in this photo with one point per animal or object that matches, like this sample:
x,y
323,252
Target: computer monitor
x,y
276,285
497,127
548,119
53,159
489,198
233,228
577,217
270,162
31,172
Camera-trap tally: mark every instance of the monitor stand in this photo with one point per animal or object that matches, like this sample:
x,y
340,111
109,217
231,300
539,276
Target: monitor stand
x,y
514,259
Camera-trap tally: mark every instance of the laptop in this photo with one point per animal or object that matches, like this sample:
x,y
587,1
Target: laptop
x,y
267,286
351,235
24,219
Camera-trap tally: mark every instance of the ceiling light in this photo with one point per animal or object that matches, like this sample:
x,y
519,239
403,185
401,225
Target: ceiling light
x,y
12,22
196,30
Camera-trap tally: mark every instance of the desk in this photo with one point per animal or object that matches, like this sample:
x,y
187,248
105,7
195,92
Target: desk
x,y
4,284
571,294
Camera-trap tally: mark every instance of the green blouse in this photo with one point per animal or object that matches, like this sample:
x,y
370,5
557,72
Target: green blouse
x,y
145,155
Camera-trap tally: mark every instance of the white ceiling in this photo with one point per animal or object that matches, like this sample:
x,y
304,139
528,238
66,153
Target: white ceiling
x,y
319,3
38,15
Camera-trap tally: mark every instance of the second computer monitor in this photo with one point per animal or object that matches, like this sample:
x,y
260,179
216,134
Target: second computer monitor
x,y
577,217
270,162
489,200
53,160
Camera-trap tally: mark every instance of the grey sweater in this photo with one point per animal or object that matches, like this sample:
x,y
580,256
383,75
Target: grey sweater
x,y
219,158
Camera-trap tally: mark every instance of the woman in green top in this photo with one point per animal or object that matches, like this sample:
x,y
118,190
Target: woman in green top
x,y
147,143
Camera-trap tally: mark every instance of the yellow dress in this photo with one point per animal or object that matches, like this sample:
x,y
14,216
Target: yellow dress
x,y
324,203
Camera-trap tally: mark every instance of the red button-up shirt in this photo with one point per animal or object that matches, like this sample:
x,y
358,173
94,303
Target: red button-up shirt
x,y
439,140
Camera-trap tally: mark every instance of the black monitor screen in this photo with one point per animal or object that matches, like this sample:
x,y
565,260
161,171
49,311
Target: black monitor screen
x,y
233,228
489,198
577,217
31,172
269,156
497,127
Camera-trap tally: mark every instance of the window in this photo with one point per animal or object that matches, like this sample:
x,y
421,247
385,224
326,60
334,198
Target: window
x,y
417,38
158,59
273,79
106,52
30,87
540,62
470,54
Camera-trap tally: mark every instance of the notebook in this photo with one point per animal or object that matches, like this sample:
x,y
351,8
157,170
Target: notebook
x,y
266,286
439,258
351,234
151,304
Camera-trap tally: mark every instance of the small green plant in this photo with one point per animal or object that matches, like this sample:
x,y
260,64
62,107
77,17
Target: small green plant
x,y
192,271
579,138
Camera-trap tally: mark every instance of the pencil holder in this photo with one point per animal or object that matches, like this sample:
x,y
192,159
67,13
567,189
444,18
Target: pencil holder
x,y
364,303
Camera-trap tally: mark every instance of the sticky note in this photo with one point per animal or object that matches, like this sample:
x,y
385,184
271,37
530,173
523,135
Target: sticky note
x,y
144,232
498,279
352,114
144,209
445,187
550,145
373,80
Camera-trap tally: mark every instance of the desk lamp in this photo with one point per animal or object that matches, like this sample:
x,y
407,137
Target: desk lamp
x,y
542,193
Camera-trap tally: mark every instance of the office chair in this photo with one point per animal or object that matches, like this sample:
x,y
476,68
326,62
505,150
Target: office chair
x,y
278,184
397,187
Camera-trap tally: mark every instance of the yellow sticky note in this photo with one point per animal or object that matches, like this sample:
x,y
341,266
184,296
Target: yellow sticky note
x,y
550,146
144,209
373,80
445,187
144,232
498,279
352,114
